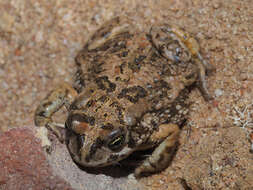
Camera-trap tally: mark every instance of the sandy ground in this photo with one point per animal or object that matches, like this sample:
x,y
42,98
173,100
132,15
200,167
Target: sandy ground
x,y
40,39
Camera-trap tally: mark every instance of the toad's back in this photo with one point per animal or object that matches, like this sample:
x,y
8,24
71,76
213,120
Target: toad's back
x,y
127,65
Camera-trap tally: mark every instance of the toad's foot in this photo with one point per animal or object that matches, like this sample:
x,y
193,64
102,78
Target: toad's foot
x,y
63,95
203,69
163,154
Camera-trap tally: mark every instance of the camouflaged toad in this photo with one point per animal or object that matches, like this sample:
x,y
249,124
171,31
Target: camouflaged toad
x,y
130,93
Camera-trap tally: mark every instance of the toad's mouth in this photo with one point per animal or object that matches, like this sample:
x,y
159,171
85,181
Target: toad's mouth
x,y
100,156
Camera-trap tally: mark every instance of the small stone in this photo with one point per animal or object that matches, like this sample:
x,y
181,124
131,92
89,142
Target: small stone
x,y
42,134
178,107
6,21
216,5
243,76
39,36
218,92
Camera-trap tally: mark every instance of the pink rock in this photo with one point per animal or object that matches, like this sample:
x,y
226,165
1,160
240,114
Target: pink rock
x,y
23,164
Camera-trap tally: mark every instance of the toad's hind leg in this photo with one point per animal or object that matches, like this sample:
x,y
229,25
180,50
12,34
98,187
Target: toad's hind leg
x,y
204,67
107,33
163,36
63,95
163,154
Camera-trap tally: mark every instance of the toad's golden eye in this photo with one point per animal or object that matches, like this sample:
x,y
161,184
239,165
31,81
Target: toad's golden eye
x,y
116,143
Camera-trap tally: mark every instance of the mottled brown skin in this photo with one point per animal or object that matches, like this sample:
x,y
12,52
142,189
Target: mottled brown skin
x,y
130,93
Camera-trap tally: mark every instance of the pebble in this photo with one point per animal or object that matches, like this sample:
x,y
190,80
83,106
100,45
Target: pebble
x,y
218,92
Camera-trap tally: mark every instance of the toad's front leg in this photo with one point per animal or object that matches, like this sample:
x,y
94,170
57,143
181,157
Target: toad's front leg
x,y
163,154
63,95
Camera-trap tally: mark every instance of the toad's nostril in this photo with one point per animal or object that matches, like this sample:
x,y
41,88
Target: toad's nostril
x,y
87,158
91,153
80,141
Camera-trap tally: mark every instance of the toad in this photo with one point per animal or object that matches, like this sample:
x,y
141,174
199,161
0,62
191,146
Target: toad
x,y
130,93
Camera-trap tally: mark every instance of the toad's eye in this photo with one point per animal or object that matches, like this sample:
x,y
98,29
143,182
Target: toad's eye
x,y
116,143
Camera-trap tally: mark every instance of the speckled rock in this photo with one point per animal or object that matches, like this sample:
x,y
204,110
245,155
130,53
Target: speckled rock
x,y
221,160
